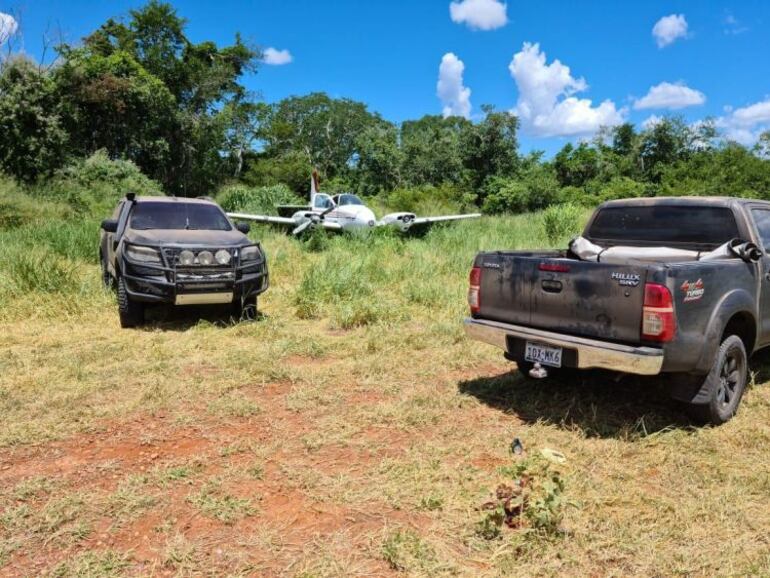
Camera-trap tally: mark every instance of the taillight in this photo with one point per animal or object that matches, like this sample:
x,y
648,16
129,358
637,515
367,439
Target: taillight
x,y
554,267
658,321
474,291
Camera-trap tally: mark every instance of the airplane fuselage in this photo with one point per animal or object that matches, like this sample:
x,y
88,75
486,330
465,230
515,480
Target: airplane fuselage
x,y
349,217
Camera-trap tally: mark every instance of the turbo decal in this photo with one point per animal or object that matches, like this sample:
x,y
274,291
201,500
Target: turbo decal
x,y
693,290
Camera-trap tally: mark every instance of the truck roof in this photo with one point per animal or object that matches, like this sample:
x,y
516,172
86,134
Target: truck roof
x,y
159,199
651,201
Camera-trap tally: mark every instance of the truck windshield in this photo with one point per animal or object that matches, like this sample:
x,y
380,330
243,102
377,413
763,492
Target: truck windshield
x,y
161,215
664,225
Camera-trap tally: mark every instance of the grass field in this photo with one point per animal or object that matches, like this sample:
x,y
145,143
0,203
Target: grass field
x,y
351,430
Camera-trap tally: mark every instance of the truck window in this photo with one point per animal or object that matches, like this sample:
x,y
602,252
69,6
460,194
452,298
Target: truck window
x,y
762,220
166,215
664,225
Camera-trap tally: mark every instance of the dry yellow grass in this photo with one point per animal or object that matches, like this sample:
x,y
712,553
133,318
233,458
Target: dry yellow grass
x,y
351,440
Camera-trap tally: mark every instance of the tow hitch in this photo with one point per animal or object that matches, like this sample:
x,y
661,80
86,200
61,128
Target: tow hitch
x,y
538,371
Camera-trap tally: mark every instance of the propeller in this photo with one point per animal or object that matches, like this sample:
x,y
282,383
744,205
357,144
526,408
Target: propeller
x,y
302,226
312,219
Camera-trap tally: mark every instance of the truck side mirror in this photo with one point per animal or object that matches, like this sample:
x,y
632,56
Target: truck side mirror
x,y
243,228
110,225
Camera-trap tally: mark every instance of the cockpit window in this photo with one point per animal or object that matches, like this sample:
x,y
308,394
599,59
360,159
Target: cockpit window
x,y
348,199
164,215
323,202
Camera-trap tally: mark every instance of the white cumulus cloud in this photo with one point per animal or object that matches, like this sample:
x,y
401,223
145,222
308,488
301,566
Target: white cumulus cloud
x,y
8,27
547,105
745,124
670,95
669,28
276,57
479,14
454,95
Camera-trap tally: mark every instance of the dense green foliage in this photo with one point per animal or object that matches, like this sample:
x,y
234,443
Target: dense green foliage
x,y
140,90
150,109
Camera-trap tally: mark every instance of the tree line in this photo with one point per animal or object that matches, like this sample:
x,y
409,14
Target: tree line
x,y
141,90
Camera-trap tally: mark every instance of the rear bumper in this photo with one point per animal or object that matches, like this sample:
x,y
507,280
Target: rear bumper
x,y
590,353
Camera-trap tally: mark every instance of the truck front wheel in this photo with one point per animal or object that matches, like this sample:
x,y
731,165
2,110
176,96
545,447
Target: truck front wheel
x,y
245,309
131,312
724,384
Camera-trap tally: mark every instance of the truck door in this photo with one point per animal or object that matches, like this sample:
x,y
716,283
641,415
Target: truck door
x,y
761,218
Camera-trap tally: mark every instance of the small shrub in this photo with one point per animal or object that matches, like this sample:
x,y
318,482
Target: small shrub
x,y
560,221
531,497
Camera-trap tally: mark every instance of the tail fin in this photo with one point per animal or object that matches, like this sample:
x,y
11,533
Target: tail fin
x,y
314,182
313,187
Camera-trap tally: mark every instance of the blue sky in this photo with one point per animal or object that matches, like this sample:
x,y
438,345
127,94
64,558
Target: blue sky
x,y
712,55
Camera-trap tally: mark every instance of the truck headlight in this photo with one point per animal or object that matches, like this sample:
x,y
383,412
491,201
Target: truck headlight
x,y
222,256
142,254
205,258
250,253
186,258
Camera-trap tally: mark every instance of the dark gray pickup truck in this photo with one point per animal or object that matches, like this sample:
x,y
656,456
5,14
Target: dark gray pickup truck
x,y
675,286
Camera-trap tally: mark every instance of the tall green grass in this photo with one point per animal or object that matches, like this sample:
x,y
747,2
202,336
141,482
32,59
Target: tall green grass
x,y
385,277
352,280
47,267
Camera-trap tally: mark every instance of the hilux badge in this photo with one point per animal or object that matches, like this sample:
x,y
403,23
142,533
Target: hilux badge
x,y
626,279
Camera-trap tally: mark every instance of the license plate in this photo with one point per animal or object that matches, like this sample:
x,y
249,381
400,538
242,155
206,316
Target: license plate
x,y
543,354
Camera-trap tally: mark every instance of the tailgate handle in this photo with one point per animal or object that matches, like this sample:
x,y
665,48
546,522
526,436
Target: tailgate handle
x,y
551,286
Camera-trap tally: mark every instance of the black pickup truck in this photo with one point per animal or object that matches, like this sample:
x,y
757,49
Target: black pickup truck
x,y
180,252
674,286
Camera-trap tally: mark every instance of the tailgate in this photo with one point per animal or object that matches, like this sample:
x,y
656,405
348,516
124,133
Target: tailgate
x,y
564,295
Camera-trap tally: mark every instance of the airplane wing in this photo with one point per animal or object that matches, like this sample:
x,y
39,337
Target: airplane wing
x,y
430,220
407,221
298,225
263,219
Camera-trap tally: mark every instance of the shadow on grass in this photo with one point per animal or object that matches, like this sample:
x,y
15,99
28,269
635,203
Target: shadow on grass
x,y
595,403
170,318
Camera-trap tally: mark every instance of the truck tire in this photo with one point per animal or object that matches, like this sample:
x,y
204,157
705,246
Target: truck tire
x,y
725,384
131,312
245,310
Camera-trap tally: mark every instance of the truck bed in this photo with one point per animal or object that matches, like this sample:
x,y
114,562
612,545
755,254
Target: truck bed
x,y
547,290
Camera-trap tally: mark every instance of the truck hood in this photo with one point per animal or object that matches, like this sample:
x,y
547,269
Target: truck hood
x,y
197,238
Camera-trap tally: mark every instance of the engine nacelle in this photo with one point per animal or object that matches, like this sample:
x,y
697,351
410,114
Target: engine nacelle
x,y
400,220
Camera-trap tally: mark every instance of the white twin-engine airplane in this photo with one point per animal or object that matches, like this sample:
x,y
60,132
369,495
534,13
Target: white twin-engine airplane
x,y
343,212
